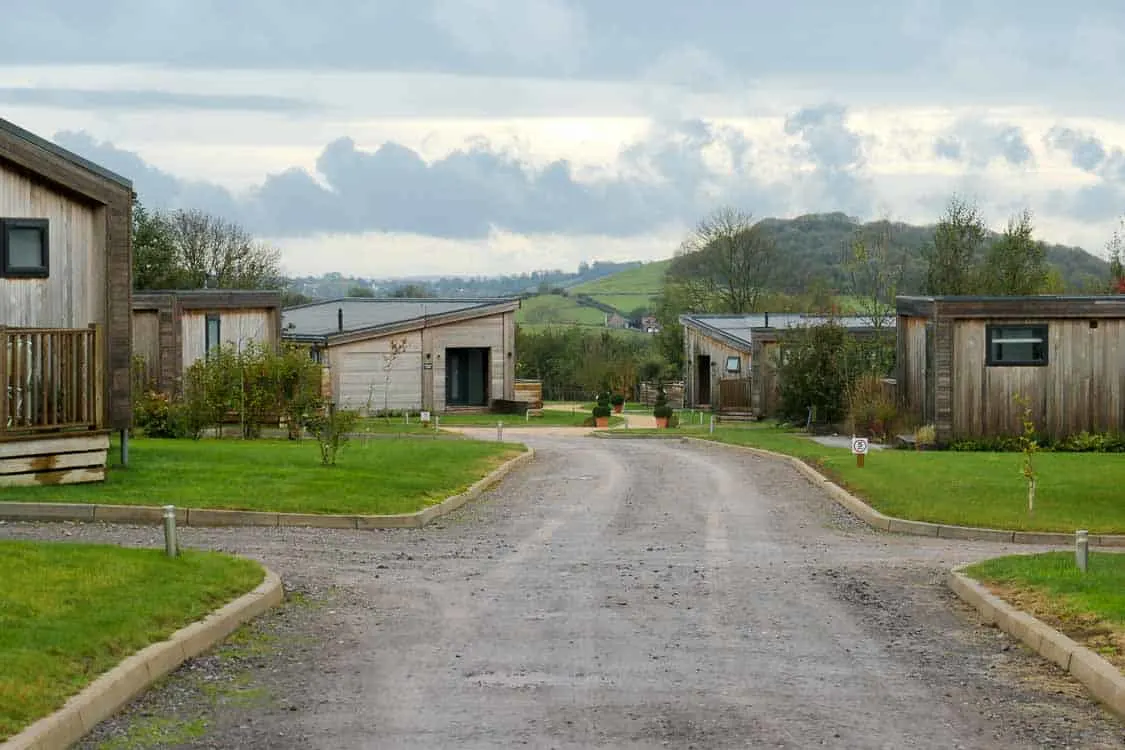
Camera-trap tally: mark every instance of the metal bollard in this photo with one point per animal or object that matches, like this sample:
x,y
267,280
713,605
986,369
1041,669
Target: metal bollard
x,y
1082,549
170,547
500,431
712,428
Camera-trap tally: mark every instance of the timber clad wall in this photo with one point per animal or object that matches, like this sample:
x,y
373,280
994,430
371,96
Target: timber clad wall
x,y
1080,388
90,275
360,368
170,327
698,344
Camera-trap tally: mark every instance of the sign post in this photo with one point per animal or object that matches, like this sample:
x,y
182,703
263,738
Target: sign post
x,y
859,448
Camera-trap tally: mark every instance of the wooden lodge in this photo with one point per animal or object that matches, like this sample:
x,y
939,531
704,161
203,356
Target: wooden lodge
x,y
65,306
963,361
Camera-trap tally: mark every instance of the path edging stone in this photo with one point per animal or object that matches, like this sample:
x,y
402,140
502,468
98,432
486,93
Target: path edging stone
x,y
114,689
149,515
1101,678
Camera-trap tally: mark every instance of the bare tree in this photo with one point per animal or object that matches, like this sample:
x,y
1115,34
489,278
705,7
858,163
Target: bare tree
x,y
725,263
214,252
875,271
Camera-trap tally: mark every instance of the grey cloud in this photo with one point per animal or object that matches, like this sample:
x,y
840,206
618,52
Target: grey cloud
x,y
149,99
663,178
837,155
1086,150
1103,200
589,38
978,143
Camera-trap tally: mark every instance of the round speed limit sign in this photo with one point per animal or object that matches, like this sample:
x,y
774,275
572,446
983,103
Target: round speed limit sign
x,y
859,446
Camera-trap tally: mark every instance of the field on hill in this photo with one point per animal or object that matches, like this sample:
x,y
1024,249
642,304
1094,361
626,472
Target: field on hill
x,y
554,309
647,279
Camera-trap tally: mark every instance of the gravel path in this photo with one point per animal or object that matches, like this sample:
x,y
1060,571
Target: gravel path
x,y
613,593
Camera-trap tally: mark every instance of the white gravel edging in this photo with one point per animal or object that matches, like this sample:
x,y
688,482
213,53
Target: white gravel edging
x,y
1101,678
110,692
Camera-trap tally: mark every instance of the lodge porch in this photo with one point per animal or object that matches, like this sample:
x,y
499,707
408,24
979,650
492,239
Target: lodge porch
x,y
52,410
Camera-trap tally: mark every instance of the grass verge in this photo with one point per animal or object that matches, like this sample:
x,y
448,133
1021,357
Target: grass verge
x,y
371,478
70,612
1076,490
1089,607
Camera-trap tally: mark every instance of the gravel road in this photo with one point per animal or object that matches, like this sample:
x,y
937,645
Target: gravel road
x,y
619,594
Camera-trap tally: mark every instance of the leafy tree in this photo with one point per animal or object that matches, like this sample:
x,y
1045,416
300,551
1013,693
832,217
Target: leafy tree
x,y
957,243
360,290
411,291
728,258
1115,248
1016,263
155,263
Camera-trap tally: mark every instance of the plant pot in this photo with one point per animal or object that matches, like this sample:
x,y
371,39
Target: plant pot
x,y
618,408
601,421
661,422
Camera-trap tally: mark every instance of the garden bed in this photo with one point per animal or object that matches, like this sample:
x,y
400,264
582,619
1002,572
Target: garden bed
x,y
70,612
371,478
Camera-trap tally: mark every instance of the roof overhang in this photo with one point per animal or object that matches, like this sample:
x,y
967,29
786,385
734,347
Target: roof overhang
x,y
401,326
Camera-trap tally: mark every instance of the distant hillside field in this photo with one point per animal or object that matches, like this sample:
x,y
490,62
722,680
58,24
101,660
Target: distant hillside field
x,y
647,279
554,309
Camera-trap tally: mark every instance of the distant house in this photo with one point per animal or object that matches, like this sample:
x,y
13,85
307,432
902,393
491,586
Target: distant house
x,y
174,329
65,287
417,354
963,360
649,324
730,361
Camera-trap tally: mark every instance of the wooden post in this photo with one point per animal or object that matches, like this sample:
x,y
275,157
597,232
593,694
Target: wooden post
x,y
859,460
100,362
4,379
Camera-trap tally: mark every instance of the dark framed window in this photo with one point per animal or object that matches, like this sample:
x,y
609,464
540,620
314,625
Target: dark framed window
x,y
25,248
212,336
1017,345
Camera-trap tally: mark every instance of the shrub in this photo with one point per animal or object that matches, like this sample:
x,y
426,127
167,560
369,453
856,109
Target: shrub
x,y
601,410
330,426
925,435
661,409
617,399
871,409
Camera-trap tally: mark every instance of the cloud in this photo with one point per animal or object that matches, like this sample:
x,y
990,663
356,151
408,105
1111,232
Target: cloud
x,y
836,154
1105,198
536,34
148,99
979,143
665,177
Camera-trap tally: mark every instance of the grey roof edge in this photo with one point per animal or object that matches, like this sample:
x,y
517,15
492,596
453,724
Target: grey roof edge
x,y
1013,298
12,129
478,311
714,332
468,301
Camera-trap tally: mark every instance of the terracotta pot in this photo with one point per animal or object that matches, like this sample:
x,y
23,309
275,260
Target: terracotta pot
x,y
618,408
601,421
661,422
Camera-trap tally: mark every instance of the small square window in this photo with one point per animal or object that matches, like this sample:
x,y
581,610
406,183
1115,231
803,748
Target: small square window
x,y
734,364
1017,345
25,250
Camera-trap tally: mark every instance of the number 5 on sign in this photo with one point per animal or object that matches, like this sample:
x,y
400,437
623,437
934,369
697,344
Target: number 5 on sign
x,y
859,448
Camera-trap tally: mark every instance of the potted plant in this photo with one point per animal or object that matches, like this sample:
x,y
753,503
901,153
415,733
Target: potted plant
x,y
618,402
602,410
661,411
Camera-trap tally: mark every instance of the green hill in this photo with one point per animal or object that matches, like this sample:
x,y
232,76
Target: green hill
x,y
631,291
555,309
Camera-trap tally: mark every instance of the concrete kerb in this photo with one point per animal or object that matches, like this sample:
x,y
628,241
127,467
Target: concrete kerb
x,y
877,520
110,692
1104,681
149,515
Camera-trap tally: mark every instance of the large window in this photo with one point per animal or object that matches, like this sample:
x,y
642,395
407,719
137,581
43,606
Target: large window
x,y
212,337
1015,345
24,248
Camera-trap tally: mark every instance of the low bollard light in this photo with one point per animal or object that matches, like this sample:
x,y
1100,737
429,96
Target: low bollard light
x,y
500,431
712,427
1082,549
171,548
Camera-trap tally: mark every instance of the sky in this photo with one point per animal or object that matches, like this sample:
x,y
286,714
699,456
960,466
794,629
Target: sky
x,y
387,138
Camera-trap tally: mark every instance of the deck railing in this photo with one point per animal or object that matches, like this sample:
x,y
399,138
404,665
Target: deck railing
x,y
50,379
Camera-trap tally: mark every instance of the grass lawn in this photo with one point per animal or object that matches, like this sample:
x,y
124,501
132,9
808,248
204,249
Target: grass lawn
x,y
558,310
1089,607
379,477
70,612
1076,490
